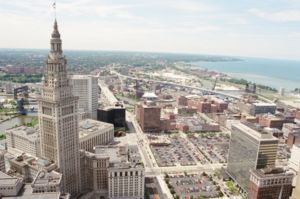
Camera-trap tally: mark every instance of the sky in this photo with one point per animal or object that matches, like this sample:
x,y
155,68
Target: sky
x,y
254,28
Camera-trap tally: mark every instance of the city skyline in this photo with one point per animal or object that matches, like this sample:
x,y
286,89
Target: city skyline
x,y
248,28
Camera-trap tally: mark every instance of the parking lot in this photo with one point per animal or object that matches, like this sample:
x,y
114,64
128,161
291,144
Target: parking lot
x,y
192,185
194,149
213,146
175,153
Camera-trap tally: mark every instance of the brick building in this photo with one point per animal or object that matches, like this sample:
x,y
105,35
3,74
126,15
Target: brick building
x,y
270,183
148,116
271,121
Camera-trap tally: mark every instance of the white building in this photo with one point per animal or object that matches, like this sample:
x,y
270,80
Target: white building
x,y
93,133
46,182
27,166
294,161
2,161
25,139
114,172
86,88
125,179
45,186
9,186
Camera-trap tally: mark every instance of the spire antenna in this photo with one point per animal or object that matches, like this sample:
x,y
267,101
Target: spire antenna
x,y
54,7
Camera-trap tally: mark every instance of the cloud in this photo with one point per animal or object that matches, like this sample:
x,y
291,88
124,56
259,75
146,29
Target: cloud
x,y
278,16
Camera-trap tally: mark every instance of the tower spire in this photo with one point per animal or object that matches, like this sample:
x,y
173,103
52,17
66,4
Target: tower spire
x,y
55,33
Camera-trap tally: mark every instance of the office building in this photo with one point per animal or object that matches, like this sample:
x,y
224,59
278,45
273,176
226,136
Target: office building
x,y
255,108
114,172
293,138
58,118
148,116
25,139
28,166
45,186
93,133
290,128
294,161
249,149
9,186
2,161
113,115
263,108
270,183
271,121
181,101
85,87
296,191
46,182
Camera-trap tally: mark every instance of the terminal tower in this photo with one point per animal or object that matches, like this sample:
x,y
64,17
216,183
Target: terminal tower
x,y
58,118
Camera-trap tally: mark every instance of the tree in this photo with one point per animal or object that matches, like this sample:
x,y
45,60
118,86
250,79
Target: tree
x,y
147,195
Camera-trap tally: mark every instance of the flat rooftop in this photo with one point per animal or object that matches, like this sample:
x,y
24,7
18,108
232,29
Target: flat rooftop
x,y
113,152
30,133
258,135
8,180
44,177
82,76
27,194
271,172
89,127
263,104
112,107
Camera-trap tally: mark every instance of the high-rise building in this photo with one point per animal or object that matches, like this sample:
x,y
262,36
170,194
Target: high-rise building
x,y
271,183
249,149
58,117
86,88
148,116
296,191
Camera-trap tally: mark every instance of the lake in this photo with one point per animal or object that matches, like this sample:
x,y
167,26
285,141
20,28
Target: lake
x,y
269,72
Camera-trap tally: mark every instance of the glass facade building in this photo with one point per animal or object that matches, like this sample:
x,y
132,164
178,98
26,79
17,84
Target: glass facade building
x,y
249,149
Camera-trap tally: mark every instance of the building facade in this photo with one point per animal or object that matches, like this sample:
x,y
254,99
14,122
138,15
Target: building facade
x,y
148,116
85,87
2,161
25,139
113,115
249,149
10,186
93,133
296,191
113,172
270,183
58,118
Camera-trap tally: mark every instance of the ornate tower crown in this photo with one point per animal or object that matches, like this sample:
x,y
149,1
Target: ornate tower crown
x,y
55,33
56,47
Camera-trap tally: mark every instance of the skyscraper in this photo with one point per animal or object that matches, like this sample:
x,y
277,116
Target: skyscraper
x,y
58,117
249,149
86,88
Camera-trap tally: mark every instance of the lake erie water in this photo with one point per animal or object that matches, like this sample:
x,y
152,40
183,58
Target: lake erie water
x,y
270,72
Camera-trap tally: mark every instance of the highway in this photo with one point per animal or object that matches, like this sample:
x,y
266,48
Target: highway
x,y
204,90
